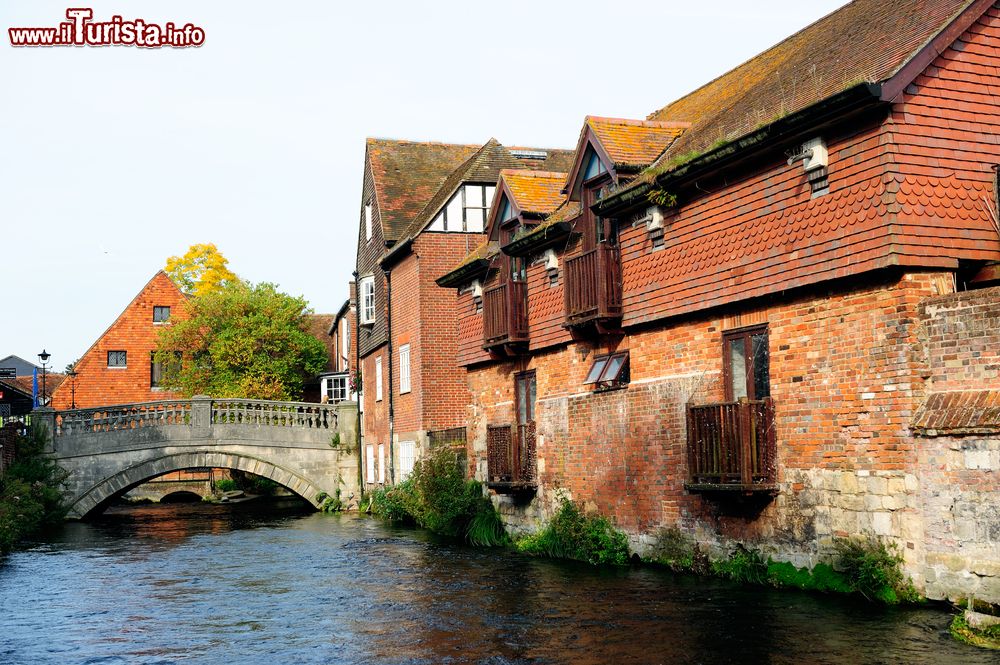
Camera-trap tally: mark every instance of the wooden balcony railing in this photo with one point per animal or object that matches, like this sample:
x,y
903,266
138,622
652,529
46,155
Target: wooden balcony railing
x,y
593,285
732,446
505,314
510,457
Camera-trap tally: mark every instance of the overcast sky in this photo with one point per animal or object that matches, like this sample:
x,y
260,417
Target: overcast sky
x,y
113,159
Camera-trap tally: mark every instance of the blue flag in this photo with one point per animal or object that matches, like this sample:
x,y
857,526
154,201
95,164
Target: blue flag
x,y
34,387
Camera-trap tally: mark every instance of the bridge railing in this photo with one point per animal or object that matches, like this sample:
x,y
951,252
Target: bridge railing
x,y
124,416
258,413
301,415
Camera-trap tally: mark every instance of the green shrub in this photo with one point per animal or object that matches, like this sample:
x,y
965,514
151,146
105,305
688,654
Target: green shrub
x,y
486,528
395,503
330,504
874,569
744,565
573,535
30,491
673,549
437,497
225,485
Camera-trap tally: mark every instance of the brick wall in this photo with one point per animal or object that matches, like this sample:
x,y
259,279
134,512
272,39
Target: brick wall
x,y
959,473
134,332
844,374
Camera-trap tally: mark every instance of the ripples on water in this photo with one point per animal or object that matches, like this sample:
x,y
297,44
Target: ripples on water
x,y
238,585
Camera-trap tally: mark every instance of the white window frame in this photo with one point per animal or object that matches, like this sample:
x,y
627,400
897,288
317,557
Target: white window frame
x,y
370,463
407,458
404,369
335,389
345,343
368,221
381,463
378,379
367,312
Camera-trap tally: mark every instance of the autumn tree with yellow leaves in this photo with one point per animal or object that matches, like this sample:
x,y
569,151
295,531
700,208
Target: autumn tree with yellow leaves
x,y
201,270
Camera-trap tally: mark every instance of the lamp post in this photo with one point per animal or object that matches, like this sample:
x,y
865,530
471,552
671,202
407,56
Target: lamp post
x,y
72,387
44,357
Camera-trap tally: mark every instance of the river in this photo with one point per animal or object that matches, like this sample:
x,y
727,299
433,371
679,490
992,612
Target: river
x,y
236,585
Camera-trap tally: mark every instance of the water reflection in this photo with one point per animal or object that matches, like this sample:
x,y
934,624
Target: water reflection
x,y
210,584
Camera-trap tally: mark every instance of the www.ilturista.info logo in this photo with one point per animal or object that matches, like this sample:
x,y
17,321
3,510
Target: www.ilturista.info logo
x,y
80,30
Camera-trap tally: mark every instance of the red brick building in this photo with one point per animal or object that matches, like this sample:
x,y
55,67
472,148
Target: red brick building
x,y
724,323
424,206
118,368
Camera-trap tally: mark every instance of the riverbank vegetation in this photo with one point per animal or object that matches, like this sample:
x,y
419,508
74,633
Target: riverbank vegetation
x,y
864,565
438,497
571,534
30,491
978,624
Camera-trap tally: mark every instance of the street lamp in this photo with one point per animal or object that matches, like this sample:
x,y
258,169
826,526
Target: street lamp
x,y
72,387
44,357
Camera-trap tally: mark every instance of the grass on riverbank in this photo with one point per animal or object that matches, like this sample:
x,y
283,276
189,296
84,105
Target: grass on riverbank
x,y
30,491
866,566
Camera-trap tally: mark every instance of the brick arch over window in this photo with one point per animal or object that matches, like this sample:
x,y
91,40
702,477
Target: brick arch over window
x,y
96,499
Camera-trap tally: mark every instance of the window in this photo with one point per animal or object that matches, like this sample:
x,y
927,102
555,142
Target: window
x,y
526,391
610,371
368,221
378,379
466,211
117,359
381,463
407,458
370,463
156,369
161,314
345,344
404,368
746,363
336,389
368,299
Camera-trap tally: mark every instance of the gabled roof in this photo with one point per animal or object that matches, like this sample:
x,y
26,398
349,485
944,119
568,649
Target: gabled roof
x,y
864,41
625,146
407,174
534,192
634,144
484,167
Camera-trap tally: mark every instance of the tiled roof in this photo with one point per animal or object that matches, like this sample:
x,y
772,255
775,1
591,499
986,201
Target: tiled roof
x,y
319,326
965,412
537,192
23,383
484,166
407,174
866,40
634,143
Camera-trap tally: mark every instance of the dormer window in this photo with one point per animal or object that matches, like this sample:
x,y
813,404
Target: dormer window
x,y
466,211
595,167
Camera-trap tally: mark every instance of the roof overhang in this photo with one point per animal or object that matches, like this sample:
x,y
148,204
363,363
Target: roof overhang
x,y
539,240
822,114
464,274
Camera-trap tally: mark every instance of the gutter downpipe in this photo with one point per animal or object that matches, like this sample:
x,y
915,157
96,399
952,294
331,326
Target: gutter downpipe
x,y
388,332
361,393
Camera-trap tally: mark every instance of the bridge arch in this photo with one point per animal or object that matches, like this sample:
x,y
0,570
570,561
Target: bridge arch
x,y
94,499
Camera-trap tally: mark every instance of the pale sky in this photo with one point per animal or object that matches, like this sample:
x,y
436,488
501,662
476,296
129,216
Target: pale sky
x,y
114,158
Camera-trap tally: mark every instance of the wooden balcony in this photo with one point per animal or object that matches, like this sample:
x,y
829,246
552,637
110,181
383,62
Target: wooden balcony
x,y
505,315
593,286
732,446
510,458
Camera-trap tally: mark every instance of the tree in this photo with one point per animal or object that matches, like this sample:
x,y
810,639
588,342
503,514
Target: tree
x,y
241,340
202,269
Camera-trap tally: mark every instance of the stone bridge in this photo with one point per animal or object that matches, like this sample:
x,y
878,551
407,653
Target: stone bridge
x,y
309,448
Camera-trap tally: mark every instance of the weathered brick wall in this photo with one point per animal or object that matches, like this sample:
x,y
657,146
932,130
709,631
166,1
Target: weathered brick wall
x,y
844,372
406,316
134,332
959,474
